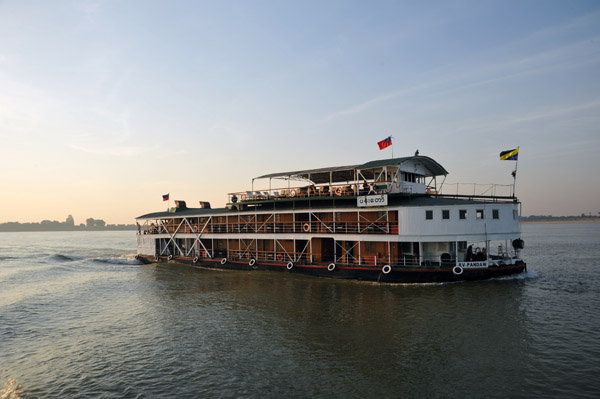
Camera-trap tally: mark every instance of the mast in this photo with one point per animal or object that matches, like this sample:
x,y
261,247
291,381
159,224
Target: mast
x,y
514,174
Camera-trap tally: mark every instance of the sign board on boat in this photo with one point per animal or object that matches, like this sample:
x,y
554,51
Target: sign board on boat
x,y
472,265
372,200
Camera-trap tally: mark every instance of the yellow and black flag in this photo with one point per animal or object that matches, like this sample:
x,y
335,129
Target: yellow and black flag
x,y
510,155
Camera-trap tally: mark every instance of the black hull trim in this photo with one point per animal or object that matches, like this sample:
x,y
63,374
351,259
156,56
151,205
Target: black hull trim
x,y
355,272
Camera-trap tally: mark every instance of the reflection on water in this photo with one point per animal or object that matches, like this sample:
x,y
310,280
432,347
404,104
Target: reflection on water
x,y
348,337
102,325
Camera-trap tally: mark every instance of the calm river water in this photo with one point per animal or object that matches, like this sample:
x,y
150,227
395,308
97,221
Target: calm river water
x,y
80,318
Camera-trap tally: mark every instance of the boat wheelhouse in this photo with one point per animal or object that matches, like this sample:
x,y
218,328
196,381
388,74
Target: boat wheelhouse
x,y
384,220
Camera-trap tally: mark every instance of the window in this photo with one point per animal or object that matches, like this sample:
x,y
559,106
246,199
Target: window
x,y
515,214
428,215
462,214
445,214
495,214
479,213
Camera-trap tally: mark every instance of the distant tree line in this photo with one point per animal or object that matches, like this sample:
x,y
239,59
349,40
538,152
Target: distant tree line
x,y
550,218
68,225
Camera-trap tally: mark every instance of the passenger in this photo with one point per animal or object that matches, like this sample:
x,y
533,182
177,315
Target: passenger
x,y
469,255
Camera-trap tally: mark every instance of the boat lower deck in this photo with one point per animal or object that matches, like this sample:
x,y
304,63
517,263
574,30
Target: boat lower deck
x,y
384,274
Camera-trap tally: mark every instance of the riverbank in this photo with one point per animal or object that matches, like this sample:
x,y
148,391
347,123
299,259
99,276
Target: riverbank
x,y
582,220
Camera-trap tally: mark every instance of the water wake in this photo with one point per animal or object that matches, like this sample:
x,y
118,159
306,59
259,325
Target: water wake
x,y
120,260
61,258
521,276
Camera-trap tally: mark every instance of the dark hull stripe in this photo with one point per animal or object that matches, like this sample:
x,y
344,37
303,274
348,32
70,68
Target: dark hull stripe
x,y
374,273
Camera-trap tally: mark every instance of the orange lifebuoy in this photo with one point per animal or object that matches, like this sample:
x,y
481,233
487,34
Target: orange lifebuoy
x,y
306,227
247,255
279,257
338,191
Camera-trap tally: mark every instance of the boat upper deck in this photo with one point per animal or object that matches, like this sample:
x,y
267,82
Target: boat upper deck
x,y
406,181
338,203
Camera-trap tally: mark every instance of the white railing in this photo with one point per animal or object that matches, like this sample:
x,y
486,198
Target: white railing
x,y
477,189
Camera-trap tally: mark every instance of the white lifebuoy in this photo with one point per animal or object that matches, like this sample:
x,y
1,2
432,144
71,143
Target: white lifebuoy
x,y
223,261
293,192
170,257
156,258
331,267
386,269
252,262
338,191
137,256
244,197
306,227
457,270
196,259
290,265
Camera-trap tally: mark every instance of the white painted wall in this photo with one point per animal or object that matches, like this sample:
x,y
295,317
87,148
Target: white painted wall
x,y
414,227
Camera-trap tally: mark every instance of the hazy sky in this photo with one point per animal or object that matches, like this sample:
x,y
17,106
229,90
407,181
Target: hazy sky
x,y
107,105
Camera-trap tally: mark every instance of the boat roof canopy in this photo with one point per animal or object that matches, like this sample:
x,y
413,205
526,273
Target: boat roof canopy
x,y
347,173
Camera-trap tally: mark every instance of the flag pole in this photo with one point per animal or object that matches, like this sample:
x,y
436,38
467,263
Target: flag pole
x,y
391,137
515,174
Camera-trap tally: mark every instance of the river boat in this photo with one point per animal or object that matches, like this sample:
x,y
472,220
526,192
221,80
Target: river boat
x,y
385,221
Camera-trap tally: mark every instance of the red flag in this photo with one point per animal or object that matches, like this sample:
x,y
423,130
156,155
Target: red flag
x,y
385,143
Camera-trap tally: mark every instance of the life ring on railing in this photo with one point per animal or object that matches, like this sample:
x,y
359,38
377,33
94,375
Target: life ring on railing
x,y
223,261
170,257
156,258
195,260
137,256
252,262
457,270
244,197
290,265
306,227
338,191
247,255
331,267
293,192
279,257
386,269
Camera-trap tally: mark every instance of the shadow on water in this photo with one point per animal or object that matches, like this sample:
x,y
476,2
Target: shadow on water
x,y
334,337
